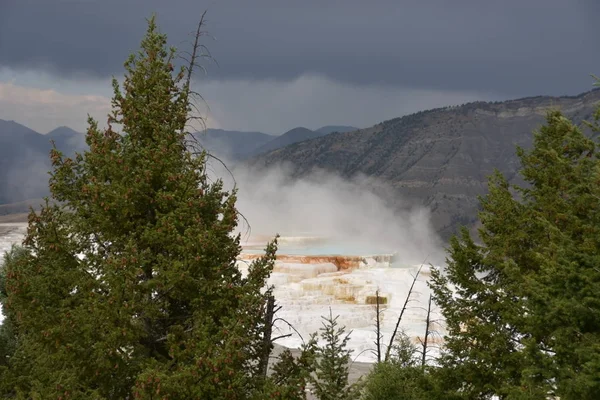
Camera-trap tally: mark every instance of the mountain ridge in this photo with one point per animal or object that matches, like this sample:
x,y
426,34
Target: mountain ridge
x,y
239,145
327,129
437,158
292,136
24,153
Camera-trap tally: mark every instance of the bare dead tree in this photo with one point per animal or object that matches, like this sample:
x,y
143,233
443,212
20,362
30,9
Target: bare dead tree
x,y
271,309
267,344
425,339
433,336
200,51
195,50
378,327
406,301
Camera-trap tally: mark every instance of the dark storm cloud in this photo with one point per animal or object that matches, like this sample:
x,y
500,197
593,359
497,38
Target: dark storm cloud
x,y
511,46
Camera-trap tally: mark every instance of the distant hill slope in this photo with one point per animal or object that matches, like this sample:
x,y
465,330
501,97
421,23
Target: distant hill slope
x,y
239,145
24,159
25,162
326,130
295,135
67,140
233,144
439,158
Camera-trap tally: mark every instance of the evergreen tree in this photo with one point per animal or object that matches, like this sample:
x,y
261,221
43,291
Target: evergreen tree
x,y
402,376
128,287
8,332
398,376
522,308
291,375
331,363
8,339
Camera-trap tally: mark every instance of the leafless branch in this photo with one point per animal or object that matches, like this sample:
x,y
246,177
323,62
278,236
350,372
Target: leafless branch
x,y
378,327
282,336
387,352
291,326
424,343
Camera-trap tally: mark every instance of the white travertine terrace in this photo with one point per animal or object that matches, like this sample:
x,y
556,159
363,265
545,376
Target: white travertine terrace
x,y
312,276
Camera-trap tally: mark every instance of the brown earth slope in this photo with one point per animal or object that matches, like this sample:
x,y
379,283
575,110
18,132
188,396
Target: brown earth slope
x,y
439,158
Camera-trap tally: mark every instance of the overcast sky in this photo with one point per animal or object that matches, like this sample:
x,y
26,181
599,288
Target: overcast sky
x,y
287,63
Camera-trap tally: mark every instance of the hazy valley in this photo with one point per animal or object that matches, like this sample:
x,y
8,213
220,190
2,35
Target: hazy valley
x,y
437,160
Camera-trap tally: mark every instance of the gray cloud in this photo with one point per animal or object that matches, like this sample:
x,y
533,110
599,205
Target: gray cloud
x,y
43,103
510,48
313,101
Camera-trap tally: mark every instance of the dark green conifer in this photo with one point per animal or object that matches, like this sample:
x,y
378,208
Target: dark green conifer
x,y
129,286
522,308
332,362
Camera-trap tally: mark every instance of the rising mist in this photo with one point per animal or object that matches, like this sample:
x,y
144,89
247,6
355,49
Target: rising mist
x,y
361,213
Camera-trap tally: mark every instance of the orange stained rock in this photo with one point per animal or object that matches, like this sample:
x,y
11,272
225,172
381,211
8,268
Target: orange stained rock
x,y
342,263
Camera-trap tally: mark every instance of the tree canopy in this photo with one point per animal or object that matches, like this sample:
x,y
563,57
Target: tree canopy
x,y
522,306
128,285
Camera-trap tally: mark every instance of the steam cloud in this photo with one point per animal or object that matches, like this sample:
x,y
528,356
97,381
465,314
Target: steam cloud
x,y
28,178
361,213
